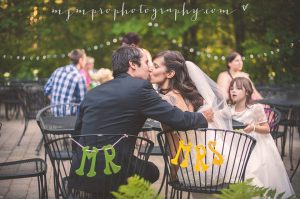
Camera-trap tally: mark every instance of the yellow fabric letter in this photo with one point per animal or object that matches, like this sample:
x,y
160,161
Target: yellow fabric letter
x,y
200,164
182,147
218,158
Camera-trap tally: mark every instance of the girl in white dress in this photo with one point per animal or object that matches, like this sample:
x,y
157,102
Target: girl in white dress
x,y
265,165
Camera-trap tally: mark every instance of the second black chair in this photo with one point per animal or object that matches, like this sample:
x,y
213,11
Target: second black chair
x,y
33,99
205,160
274,118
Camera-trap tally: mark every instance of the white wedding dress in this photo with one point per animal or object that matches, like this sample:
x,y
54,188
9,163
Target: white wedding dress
x,y
265,165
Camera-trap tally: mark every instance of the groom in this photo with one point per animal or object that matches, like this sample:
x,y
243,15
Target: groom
x,y
123,104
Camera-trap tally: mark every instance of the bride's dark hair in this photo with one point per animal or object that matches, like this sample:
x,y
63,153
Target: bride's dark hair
x,y
181,81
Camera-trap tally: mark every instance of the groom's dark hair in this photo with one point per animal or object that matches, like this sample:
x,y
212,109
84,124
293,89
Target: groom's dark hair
x,y
122,56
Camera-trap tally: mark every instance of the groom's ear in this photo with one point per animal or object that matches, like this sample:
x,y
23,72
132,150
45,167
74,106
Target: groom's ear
x,y
171,74
132,65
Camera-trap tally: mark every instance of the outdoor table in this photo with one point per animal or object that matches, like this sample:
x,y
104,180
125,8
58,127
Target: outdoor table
x,y
292,104
237,125
151,125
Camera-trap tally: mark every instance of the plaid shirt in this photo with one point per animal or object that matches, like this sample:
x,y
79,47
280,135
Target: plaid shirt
x,y
66,85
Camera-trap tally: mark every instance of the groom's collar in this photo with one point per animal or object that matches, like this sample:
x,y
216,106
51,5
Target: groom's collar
x,y
122,75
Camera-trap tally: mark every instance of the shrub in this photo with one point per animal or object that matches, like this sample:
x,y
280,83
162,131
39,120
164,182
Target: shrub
x,y
137,188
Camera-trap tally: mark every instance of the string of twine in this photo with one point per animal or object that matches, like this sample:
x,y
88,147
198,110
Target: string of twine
x,y
112,146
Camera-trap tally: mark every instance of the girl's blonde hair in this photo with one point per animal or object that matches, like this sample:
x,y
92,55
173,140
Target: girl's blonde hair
x,y
103,75
242,82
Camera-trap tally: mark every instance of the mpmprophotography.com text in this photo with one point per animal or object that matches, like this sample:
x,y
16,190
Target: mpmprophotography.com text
x,y
152,12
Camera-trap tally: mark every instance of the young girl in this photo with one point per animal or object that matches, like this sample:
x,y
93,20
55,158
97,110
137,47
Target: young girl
x,y
265,165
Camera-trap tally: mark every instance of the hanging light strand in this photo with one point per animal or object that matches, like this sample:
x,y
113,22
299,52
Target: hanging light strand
x,y
114,41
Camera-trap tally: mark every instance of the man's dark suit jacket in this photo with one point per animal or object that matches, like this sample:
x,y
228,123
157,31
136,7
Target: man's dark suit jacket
x,y
121,106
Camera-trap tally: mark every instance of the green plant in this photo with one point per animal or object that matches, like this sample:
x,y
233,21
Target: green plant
x,y
247,191
137,188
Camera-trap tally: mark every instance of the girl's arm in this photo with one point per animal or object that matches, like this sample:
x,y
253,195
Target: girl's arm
x,y
260,124
262,128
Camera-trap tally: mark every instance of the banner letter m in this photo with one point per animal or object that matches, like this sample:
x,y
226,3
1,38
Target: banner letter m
x,y
87,154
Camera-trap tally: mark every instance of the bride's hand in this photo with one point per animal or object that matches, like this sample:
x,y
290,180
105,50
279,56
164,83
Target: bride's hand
x,y
208,114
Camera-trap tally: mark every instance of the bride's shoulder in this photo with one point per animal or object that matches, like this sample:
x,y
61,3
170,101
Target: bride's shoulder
x,y
173,97
173,94
170,97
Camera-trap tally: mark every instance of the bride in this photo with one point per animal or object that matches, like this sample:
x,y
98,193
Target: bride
x,y
184,85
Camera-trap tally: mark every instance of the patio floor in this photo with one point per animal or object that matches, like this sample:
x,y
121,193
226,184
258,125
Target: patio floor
x,y
27,188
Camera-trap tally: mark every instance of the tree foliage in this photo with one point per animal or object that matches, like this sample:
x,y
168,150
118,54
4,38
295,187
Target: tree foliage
x,y
266,33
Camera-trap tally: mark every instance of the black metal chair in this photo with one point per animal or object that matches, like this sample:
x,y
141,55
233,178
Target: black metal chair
x,y
56,121
274,118
91,166
33,100
289,106
11,94
25,169
204,160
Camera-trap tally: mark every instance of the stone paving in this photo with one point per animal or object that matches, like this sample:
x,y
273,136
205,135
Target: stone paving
x,y
27,188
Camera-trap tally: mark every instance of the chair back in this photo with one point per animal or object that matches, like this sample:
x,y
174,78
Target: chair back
x,y
33,100
91,166
205,160
273,117
57,120
11,97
